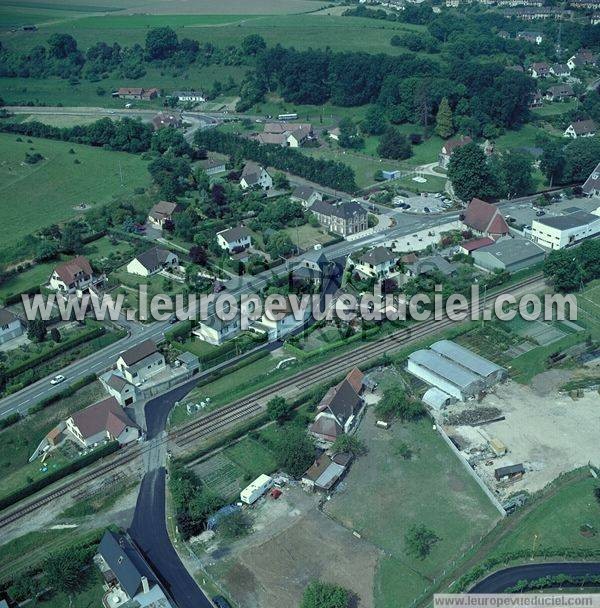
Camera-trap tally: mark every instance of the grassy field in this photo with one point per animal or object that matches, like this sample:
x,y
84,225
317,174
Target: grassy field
x,y
588,308
385,496
554,109
18,442
34,196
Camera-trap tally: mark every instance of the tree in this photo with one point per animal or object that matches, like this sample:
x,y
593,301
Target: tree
x,y
66,571
552,162
253,44
294,450
444,123
198,255
374,122
394,145
419,541
470,174
395,404
280,181
349,443
325,595
597,494
72,235
161,43
516,170
403,450
280,245
234,525
278,409
61,46
55,335
36,330
349,138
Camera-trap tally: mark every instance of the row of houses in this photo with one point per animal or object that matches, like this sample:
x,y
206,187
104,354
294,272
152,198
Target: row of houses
x,y
291,135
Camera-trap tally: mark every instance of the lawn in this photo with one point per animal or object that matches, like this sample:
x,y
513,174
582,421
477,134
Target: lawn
x,y
553,109
588,308
23,281
386,495
34,196
525,137
307,236
18,441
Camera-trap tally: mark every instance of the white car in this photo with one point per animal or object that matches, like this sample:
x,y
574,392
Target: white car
x,y
57,379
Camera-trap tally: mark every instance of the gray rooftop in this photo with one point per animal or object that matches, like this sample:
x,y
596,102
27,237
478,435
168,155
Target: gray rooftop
x,y
565,222
434,362
377,256
510,251
465,358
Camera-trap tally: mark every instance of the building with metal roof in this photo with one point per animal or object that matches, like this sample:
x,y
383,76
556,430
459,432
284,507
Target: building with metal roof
x,y
510,254
489,371
436,370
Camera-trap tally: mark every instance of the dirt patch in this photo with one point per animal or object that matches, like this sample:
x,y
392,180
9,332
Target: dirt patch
x,y
549,382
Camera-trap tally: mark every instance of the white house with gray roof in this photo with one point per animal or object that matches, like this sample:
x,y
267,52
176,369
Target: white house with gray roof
x,y
234,239
592,183
10,326
378,262
255,176
141,362
564,230
152,261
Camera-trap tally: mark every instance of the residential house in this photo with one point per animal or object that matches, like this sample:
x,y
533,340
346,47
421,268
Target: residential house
x,y
326,472
163,211
564,230
212,166
378,262
595,18
216,331
560,70
533,37
189,96
138,93
581,128
591,187
141,362
10,326
334,134
102,421
558,92
509,254
540,69
339,409
165,119
128,577
116,386
152,261
234,239
255,176
73,276
536,100
306,195
582,59
312,267
343,218
484,219
450,147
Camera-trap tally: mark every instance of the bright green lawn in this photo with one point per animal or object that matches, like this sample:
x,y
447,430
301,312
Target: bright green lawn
x,y
553,109
34,196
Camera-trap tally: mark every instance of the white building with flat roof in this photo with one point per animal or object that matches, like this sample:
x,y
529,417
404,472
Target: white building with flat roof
x,y
564,230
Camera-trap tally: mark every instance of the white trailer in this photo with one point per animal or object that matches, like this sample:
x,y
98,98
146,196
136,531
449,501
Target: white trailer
x,y
256,489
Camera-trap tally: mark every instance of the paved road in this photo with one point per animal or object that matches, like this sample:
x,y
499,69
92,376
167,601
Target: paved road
x,y
509,577
149,531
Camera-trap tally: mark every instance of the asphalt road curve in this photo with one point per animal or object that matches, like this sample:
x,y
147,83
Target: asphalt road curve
x,y
149,531
509,577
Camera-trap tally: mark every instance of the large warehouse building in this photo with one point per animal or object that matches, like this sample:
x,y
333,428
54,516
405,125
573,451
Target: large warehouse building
x,y
455,370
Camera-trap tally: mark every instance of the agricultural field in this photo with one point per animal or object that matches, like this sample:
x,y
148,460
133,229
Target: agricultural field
x,y
383,496
50,190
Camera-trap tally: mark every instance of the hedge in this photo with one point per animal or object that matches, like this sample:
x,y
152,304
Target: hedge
x,y
73,467
9,420
67,392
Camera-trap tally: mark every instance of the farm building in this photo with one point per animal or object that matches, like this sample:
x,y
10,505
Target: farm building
x,y
453,370
509,472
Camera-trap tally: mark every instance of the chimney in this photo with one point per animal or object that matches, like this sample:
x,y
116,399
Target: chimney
x,y
145,584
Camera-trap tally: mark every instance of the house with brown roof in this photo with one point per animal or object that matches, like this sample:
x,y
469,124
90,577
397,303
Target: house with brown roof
x,y
167,119
540,69
484,219
162,212
102,421
591,187
138,93
73,276
450,147
326,472
581,59
339,409
559,92
581,128
141,362
468,247
253,176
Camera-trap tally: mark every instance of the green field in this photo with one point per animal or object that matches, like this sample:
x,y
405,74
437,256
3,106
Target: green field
x,y
386,495
554,109
588,311
34,196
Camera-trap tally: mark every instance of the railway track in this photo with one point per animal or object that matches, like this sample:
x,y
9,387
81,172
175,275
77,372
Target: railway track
x,y
248,406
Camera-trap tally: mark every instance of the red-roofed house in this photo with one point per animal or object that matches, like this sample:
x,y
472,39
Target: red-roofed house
x,y
467,247
72,276
102,421
485,219
449,147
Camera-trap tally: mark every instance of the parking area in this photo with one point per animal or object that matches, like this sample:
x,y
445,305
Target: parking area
x,y
525,214
424,203
420,240
547,432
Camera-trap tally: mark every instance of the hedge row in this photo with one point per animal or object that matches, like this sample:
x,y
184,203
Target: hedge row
x,y
68,469
67,392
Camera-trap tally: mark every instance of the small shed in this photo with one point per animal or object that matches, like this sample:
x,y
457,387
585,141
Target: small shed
x,y
509,472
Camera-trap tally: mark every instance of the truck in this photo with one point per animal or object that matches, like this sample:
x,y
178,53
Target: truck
x,y
256,489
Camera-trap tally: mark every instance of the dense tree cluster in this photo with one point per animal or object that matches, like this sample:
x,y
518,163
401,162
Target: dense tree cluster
x,y
328,173
569,269
569,163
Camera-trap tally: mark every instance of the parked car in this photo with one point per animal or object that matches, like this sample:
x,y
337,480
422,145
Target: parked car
x,y
220,602
57,379
427,209
540,213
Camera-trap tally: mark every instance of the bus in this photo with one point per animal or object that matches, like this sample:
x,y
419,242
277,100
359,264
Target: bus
x,y
287,117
